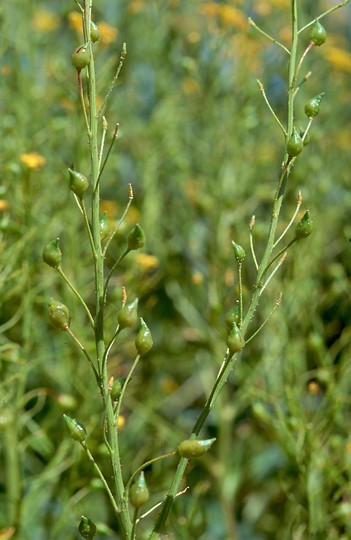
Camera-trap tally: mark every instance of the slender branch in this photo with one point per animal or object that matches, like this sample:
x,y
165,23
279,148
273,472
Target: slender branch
x,y
272,39
277,304
104,130
324,14
262,90
121,220
115,79
280,262
71,286
299,202
251,226
102,167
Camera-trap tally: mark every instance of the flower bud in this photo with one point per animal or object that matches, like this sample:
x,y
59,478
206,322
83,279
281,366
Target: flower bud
x,y
136,238
233,316
193,448
52,254
295,144
87,528
94,32
318,34
78,183
128,315
239,252
139,493
235,340
313,105
59,315
304,227
81,57
75,428
143,340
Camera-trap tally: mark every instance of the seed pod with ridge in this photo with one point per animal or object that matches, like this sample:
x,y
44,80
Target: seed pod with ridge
x,y
78,183
104,226
87,528
239,253
233,316
235,340
59,315
318,34
116,389
295,144
81,57
304,227
128,315
136,238
139,493
143,340
313,105
52,254
193,448
75,428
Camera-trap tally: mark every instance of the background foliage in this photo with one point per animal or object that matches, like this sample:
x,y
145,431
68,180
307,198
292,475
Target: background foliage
x,y
202,152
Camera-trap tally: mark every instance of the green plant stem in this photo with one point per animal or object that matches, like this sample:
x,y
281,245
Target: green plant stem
x,y
146,464
229,361
123,516
102,167
272,39
101,476
324,14
240,292
263,92
134,522
114,80
115,230
71,286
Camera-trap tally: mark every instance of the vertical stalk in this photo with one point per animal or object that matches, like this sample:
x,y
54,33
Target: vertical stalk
x,y
123,516
229,361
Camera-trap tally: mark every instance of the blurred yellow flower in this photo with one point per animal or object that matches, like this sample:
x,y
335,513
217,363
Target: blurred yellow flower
x,y
3,205
226,14
135,6
197,278
121,421
45,21
189,86
147,262
75,21
107,33
5,70
33,160
338,58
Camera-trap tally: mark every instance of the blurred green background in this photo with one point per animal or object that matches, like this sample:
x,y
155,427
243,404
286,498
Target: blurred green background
x,y
202,152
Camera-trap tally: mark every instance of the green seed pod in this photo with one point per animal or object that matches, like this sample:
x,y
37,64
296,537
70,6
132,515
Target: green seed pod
x,y
295,144
104,226
239,252
59,315
193,448
304,227
116,389
78,183
318,34
87,528
81,57
143,340
233,316
139,493
136,238
128,315
52,254
235,340
313,105
94,32
75,428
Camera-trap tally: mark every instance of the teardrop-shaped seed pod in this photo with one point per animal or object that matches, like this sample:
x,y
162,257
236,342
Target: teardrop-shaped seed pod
x,y
139,493
94,32
52,254
75,428
81,57
306,139
318,34
312,106
136,238
78,183
116,389
233,316
295,144
235,340
239,253
128,315
87,528
59,315
143,340
193,448
104,226
304,227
